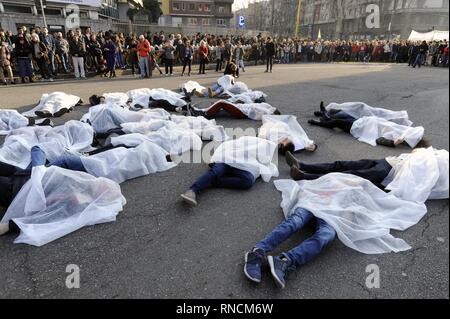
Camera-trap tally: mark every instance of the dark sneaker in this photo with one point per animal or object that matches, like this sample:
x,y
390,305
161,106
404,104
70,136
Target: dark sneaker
x,y
297,174
322,107
319,114
291,160
253,262
385,142
61,112
277,112
279,267
191,111
43,114
190,197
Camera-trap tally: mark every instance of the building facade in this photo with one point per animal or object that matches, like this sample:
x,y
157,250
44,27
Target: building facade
x,y
199,14
96,14
347,19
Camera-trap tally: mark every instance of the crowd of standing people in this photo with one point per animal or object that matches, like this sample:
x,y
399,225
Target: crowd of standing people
x,y
38,51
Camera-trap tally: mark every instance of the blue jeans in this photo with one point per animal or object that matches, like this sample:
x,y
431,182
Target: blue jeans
x,y
144,66
224,176
72,163
310,248
419,60
217,89
25,67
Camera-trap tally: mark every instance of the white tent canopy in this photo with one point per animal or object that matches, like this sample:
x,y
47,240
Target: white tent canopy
x,y
429,36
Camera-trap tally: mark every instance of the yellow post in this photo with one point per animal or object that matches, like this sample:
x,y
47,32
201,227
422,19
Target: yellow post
x,y
297,26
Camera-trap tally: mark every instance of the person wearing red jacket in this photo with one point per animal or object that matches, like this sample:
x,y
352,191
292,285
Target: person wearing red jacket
x,y
203,52
144,49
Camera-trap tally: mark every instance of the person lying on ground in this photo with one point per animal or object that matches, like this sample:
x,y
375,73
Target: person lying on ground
x,y
55,104
236,165
11,120
160,98
253,111
376,131
338,205
287,133
357,110
418,176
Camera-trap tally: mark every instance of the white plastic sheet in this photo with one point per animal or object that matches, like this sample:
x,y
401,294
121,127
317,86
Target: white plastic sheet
x,y
361,213
251,154
208,130
254,111
105,117
11,120
247,97
142,97
118,98
359,109
56,202
173,140
420,175
276,128
54,102
122,164
226,82
369,128
72,138
191,86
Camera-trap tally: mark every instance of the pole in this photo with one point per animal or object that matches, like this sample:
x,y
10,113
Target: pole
x,y
273,17
43,14
299,12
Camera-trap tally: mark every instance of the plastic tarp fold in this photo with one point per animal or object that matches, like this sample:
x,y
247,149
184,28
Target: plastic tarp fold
x,y
276,128
142,97
208,130
122,164
368,129
359,109
251,154
11,120
173,140
53,103
117,98
56,202
247,97
105,117
72,138
361,213
191,86
420,175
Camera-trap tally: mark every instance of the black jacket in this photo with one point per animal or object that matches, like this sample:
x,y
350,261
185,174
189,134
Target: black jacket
x,y
270,49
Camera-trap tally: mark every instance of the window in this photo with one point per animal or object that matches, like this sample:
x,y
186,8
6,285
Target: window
x,y
17,9
221,9
206,21
221,23
207,8
191,7
176,6
192,21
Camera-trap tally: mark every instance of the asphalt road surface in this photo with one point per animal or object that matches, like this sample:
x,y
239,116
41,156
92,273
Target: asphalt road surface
x,y
160,248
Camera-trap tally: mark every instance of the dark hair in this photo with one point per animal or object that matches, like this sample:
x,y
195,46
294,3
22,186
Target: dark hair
x,y
424,143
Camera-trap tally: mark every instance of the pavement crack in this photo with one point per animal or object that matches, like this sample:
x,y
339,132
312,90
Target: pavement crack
x,y
427,218
30,276
412,260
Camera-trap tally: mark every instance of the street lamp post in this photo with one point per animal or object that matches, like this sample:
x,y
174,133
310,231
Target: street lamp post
x,y
43,13
297,25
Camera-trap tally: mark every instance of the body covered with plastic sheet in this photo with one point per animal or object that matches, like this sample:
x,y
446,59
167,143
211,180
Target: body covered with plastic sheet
x,y
56,202
420,175
370,128
361,214
72,138
358,110
276,128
